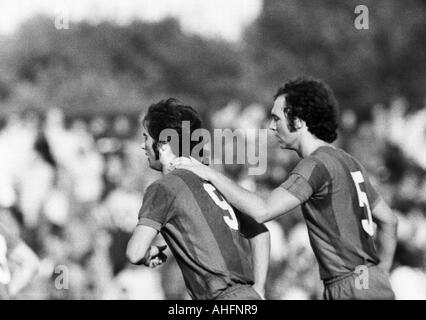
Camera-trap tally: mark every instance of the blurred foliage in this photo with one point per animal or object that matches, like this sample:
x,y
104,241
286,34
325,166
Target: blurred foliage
x,y
318,38
120,69
109,68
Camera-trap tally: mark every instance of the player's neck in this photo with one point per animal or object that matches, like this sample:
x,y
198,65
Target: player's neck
x,y
165,160
309,145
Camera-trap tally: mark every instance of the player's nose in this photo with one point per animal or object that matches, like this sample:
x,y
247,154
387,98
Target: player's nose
x,y
143,146
272,125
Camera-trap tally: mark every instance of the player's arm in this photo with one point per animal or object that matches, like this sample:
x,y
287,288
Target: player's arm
x,y
139,250
260,248
152,215
386,236
260,243
279,202
27,266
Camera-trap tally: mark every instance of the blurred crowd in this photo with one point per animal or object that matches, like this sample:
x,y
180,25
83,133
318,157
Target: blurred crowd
x,y
74,187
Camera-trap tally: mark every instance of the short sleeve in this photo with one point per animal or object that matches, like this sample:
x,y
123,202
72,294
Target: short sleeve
x,y
249,228
309,177
155,210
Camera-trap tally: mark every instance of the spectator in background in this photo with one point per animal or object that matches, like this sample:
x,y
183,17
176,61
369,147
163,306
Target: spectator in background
x,y
18,263
399,175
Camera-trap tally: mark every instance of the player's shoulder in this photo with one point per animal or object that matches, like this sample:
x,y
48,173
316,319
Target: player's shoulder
x,y
317,161
175,181
336,160
333,155
323,162
182,176
330,157
325,153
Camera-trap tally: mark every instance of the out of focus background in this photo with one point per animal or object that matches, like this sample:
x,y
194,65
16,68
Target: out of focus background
x,y
76,76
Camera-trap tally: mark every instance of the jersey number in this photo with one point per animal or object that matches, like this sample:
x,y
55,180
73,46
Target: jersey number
x,y
4,269
367,224
230,220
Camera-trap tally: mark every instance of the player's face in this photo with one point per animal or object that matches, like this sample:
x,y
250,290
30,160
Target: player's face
x,y
147,146
279,125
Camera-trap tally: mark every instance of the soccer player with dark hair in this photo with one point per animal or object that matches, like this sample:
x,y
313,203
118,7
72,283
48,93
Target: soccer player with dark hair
x,y
205,234
339,204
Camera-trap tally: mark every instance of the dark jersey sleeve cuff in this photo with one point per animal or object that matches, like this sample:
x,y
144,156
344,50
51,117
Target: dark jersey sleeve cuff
x,y
150,223
298,186
298,196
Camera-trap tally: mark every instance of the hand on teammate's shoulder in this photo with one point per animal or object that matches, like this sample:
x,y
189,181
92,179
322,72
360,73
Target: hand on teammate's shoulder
x,y
192,165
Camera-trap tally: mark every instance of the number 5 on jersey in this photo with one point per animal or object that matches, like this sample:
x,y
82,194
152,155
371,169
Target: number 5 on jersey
x,y
367,224
231,221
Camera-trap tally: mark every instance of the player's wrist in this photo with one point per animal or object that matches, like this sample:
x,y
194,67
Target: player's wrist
x,y
145,260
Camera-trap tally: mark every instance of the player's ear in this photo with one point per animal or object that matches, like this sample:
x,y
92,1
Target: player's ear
x,y
164,147
298,123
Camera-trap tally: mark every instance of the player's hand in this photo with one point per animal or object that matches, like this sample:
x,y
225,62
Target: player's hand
x,y
156,256
192,165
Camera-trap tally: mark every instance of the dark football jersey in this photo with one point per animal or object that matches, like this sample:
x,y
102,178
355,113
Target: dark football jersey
x,y
205,234
337,199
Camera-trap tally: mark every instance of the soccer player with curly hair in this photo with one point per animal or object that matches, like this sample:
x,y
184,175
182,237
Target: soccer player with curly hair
x,y
351,229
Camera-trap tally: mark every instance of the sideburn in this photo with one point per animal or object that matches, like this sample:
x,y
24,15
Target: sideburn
x,y
290,119
156,152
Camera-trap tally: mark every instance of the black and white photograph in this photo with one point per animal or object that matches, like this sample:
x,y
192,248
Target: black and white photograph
x,y
182,150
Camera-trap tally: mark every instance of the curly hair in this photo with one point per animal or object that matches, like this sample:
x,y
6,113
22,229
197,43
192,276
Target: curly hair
x,y
313,102
169,114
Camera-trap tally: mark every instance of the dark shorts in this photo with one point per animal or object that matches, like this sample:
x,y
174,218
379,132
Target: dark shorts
x,y
372,284
239,292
